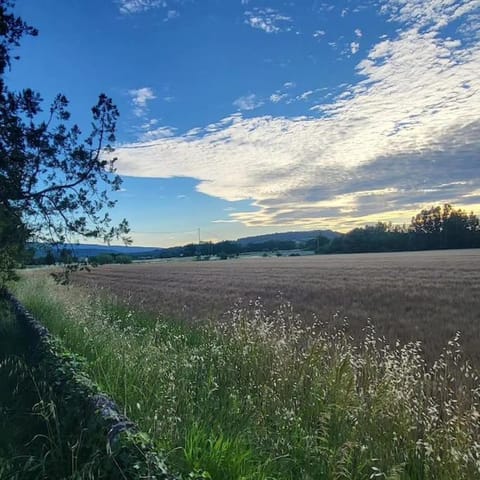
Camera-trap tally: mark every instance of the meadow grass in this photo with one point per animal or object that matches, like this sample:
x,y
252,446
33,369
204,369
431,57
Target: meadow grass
x,y
262,395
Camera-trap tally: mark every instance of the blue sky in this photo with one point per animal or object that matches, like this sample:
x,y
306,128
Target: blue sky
x,y
242,117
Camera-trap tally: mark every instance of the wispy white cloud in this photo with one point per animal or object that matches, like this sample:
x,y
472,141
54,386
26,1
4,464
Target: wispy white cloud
x,y
382,148
358,33
289,84
149,124
434,13
157,133
136,6
305,95
319,33
268,19
248,102
171,14
278,97
354,47
140,97
130,7
229,220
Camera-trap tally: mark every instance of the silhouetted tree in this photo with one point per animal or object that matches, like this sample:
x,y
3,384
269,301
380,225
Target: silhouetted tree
x,y
434,228
445,227
319,244
54,181
190,250
13,235
226,248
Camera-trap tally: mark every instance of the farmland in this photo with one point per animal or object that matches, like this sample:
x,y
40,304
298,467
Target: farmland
x,y
252,390
425,296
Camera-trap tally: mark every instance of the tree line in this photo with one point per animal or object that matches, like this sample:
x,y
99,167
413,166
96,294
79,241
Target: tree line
x,y
66,256
440,227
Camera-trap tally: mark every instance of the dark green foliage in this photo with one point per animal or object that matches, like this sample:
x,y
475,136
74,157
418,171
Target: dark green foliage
x,y
49,258
54,181
270,246
109,258
226,249
381,237
13,234
318,245
436,228
445,227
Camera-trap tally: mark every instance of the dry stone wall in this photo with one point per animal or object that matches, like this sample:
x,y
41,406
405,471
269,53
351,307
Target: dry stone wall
x,y
110,442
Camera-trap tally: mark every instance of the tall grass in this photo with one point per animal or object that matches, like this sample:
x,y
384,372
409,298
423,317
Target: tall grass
x,y
261,396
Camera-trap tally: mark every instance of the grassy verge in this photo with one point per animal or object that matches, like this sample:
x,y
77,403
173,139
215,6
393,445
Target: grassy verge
x,y
54,423
31,446
261,397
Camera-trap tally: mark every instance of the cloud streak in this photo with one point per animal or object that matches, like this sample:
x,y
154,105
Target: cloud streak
x,y
268,19
248,102
136,6
132,7
140,97
406,135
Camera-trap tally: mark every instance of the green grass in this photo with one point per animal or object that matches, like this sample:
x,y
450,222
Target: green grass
x,y
259,396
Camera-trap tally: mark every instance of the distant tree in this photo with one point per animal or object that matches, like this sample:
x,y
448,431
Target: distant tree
x,y
270,246
49,258
318,244
227,248
445,227
54,181
102,259
124,259
28,256
321,244
437,227
66,256
204,248
371,238
109,258
190,250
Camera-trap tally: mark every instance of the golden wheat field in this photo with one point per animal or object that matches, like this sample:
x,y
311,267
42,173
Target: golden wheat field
x,y
410,296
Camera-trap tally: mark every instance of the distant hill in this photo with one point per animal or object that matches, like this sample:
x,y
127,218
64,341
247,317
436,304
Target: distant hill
x,y
90,250
82,251
301,236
